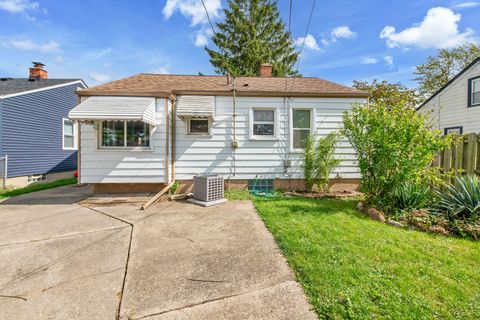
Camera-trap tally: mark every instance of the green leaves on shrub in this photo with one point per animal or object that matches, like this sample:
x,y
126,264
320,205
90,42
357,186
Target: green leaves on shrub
x,y
460,200
394,144
320,160
409,196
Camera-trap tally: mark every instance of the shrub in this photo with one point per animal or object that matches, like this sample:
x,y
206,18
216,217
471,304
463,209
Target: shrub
x,y
320,161
409,196
460,200
394,143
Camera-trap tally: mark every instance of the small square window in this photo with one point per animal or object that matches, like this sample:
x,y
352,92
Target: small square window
x,y
453,130
263,124
198,126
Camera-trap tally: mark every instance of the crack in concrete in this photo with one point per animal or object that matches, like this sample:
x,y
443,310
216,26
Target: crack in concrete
x,y
46,266
13,297
60,237
120,295
80,278
209,301
206,280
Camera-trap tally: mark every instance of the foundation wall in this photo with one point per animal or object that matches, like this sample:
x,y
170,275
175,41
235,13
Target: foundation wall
x,y
19,182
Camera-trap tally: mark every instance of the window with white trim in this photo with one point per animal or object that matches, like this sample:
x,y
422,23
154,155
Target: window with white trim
x,y
199,126
124,134
263,123
301,127
475,92
69,141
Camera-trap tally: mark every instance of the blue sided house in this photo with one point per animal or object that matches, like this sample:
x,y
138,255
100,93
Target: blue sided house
x,y
37,139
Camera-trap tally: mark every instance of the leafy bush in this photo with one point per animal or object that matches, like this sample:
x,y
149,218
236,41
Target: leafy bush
x,y
395,144
460,200
320,161
409,196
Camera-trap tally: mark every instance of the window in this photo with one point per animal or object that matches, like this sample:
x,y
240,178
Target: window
x,y
198,126
263,123
453,130
123,134
68,141
301,127
474,92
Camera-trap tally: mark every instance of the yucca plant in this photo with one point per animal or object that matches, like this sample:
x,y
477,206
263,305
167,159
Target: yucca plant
x,y
460,200
409,196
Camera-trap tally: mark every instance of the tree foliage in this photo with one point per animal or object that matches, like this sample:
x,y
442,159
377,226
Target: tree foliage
x,y
441,68
394,144
252,34
388,93
320,161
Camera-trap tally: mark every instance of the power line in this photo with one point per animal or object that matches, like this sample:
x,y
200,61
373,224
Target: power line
x,y
208,17
289,28
304,38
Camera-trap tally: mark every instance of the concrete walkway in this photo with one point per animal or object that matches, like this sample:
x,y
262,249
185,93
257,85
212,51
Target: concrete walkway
x,y
65,260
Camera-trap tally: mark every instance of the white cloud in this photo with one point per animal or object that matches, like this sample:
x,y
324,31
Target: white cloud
x,y
29,45
343,32
21,7
467,5
99,77
388,60
368,60
310,42
439,29
201,39
161,70
193,10
18,6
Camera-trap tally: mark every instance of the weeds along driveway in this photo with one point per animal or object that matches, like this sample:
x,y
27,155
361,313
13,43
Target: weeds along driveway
x,y
173,261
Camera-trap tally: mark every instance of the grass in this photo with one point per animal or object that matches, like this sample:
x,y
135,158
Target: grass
x,y
352,267
36,187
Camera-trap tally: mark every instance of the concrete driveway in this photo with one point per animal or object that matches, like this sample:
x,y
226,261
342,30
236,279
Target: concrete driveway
x,y
65,259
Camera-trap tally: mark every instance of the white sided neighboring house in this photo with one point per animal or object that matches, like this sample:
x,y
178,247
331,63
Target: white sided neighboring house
x,y
455,108
142,132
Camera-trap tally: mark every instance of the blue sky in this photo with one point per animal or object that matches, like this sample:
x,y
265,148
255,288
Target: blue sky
x,y
100,41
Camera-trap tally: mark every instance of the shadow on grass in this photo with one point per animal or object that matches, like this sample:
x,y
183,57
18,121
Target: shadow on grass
x,y
305,206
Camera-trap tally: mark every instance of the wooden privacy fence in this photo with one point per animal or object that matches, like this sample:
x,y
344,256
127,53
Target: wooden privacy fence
x,y
464,155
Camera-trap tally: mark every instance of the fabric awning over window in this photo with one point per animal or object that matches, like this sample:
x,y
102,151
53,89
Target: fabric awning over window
x,y
116,108
195,106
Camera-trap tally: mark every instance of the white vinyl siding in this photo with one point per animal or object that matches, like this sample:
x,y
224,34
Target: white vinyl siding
x,y
124,165
213,154
450,108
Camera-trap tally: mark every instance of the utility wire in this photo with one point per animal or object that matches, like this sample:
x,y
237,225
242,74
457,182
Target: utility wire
x,y
289,28
208,17
304,38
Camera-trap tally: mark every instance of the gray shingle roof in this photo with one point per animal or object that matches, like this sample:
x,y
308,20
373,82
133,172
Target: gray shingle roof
x,y
16,85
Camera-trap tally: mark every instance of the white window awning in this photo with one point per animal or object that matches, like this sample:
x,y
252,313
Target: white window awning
x,y
116,108
195,106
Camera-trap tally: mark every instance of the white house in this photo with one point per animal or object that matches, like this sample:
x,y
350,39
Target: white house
x,y
456,106
142,132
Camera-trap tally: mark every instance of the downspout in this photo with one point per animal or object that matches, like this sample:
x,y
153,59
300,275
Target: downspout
x,y
79,144
174,134
167,143
234,117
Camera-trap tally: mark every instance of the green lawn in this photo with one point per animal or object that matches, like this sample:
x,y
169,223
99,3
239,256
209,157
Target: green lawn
x,y
355,268
36,187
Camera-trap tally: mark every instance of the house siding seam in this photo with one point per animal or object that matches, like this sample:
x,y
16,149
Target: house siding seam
x,y
31,132
449,108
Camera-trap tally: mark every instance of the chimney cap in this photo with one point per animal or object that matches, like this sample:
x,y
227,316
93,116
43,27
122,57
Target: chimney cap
x,y
266,65
38,64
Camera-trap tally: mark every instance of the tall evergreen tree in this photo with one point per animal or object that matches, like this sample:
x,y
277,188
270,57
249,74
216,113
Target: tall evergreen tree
x,y
251,34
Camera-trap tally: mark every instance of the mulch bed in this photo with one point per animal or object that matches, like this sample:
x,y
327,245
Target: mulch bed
x,y
320,195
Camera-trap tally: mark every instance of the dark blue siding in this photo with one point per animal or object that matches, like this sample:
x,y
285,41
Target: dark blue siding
x,y
32,131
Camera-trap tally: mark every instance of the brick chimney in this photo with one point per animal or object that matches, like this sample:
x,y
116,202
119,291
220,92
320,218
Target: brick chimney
x,y
266,70
37,72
